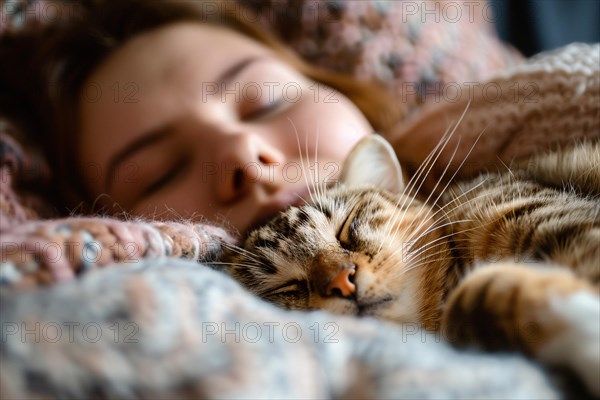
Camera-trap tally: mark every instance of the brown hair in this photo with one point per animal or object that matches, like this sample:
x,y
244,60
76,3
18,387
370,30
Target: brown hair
x,y
74,48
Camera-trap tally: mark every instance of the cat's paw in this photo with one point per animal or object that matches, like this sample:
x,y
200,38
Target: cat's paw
x,y
483,311
577,346
544,311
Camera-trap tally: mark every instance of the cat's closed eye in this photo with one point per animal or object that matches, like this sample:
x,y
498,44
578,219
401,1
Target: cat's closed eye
x,y
347,233
293,289
290,287
292,294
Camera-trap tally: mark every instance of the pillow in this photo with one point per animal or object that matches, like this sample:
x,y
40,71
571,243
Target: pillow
x,y
418,49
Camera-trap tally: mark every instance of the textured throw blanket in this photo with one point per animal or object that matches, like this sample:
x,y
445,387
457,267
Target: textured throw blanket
x,y
100,307
176,329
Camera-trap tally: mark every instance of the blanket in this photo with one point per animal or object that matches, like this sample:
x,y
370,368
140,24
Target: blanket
x,y
171,328
105,307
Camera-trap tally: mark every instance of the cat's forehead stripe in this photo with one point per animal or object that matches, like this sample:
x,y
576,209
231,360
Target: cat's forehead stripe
x,y
324,208
286,225
267,265
302,216
268,243
320,208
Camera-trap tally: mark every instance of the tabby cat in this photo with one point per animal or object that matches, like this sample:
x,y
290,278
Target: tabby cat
x,y
479,264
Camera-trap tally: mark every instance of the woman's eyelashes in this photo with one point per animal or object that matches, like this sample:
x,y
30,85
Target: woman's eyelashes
x,y
261,111
171,174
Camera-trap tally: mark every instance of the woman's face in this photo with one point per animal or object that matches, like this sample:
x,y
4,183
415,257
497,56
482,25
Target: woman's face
x,y
197,121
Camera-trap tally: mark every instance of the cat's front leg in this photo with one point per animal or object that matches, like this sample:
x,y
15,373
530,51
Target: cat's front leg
x,y
545,311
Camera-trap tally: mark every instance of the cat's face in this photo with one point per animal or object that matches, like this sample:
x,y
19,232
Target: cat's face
x,y
358,248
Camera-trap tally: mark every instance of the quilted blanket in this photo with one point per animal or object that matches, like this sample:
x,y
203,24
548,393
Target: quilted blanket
x,y
105,307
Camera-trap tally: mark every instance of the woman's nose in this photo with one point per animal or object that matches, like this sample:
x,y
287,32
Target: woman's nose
x,y
247,160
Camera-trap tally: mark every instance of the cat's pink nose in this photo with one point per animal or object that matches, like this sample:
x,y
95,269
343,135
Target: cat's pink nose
x,y
342,283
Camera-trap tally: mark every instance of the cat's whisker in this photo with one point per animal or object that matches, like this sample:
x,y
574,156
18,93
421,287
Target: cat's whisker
x,y
449,182
304,174
243,252
314,175
445,139
427,163
427,260
314,178
234,247
312,171
455,197
301,198
317,168
410,267
415,240
247,255
445,211
254,263
425,247
449,255
434,227
419,213
458,233
444,173
437,151
408,254
232,264
418,254
323,182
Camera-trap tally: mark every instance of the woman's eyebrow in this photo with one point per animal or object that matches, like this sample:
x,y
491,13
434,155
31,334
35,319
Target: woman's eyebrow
x,y
150,139
234,70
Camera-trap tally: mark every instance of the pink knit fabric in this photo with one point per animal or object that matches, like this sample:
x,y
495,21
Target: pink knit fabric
x,y
52,251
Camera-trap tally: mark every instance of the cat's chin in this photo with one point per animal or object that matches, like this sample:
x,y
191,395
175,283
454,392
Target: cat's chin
x,y
378,308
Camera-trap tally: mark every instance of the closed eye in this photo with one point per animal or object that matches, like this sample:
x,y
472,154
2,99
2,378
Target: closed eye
x,y
262,111
171,174
289,287
347,233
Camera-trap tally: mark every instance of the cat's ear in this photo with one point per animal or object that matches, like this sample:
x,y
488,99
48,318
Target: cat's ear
x,y
372,161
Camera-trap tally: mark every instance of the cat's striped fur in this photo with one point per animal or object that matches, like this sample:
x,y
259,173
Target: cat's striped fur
x,y
482,265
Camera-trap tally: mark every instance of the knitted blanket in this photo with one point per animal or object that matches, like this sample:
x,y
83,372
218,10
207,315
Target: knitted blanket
x,y
101,307
174,329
